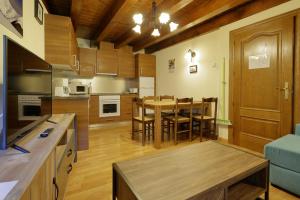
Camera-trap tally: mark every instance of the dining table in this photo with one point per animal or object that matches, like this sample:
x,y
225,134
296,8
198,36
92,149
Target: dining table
x,y
162,105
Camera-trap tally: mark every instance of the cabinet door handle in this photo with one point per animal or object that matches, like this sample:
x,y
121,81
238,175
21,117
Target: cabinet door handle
x,y
70,167
78,65
75,60
56,188
69,153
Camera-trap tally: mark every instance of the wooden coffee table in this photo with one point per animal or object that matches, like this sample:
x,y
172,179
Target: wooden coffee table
x,y
207,170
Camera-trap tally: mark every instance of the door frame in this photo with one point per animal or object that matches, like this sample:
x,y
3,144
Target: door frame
x,y
232,136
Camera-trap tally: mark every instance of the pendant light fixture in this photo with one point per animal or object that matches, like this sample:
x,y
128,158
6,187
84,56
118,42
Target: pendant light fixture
x,y
156,22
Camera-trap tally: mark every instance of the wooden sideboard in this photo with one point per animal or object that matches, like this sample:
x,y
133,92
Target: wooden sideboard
x,y
42,173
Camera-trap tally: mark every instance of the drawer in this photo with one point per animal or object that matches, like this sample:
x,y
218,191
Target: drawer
x,y
62,177
70,151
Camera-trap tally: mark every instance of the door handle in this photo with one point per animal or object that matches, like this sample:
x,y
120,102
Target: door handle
x,y
285,90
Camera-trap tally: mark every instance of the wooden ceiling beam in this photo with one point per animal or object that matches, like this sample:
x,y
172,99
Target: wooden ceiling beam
x,y
195,14
171,6
111,13
234,15
76,6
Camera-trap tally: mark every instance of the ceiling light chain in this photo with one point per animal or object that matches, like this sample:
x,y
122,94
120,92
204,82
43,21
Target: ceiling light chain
x,y
164,18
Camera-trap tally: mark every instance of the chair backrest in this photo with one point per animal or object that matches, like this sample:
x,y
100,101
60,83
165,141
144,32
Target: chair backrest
x,y
146,98
137,105
188,107
211,100
166,97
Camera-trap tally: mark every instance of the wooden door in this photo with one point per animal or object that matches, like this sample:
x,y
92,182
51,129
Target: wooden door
x,y
262,64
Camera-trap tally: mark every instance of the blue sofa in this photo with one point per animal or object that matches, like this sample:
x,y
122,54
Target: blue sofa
x,y
284,156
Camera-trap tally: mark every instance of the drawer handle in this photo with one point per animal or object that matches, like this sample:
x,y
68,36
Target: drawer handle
x,y
69,168
56,188
69,153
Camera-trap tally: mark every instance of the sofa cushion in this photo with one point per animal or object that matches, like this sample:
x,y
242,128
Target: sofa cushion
x,y
285,152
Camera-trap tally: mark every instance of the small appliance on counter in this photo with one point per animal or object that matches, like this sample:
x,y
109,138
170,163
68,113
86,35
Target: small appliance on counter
x,y
61,91
61,87
133,90
76,88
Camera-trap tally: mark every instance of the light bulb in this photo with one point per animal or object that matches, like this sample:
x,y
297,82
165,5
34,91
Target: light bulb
x,y
173,26
138,18
155,33
164,18
137,29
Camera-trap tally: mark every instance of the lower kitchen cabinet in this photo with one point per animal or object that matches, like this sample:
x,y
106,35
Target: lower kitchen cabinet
x,y
95,112
126,106
79,106
125,110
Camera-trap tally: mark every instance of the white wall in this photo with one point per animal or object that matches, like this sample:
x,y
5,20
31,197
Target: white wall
x,y
211,49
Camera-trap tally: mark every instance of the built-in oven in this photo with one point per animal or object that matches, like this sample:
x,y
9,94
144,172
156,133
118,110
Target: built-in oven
x,y
29,107
109,106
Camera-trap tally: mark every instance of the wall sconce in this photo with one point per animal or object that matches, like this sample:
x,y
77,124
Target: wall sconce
x,y
190,56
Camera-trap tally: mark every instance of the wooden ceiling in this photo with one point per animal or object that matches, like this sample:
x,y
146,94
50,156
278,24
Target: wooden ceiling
x,y
111,20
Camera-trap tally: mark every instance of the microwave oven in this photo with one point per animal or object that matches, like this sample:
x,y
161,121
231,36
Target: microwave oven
x,y
77,88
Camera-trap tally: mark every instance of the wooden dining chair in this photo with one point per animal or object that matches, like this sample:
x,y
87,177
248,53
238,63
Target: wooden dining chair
x,y
166,123
166,98
146,121
177,119
206,117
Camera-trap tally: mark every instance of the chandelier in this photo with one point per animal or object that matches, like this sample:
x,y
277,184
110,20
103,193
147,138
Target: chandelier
x,y
156,22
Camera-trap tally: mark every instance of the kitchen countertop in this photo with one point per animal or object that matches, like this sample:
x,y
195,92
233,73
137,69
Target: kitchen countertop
x,y
106,94
73,97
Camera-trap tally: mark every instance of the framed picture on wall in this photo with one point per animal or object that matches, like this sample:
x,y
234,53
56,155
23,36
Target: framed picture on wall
x,y
193,69
171,65
38,11
11,15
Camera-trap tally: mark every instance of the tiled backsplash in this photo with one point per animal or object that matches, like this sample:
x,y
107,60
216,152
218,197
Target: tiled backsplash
x,y
99,84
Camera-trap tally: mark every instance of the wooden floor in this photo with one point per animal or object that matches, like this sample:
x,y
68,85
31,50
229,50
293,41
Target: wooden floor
x,y
91,178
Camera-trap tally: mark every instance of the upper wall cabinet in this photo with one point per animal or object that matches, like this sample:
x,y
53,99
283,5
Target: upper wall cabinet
x,y
146,65
88,62
126,63
60,42
107,59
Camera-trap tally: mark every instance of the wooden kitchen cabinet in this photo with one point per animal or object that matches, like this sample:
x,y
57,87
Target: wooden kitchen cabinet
x,y
126,106
126,65
60,42
146,65
79,106
32,62
88,62
94,114
107,59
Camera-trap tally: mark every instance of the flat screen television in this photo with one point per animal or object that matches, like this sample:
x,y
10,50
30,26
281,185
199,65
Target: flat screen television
x,y
26,92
